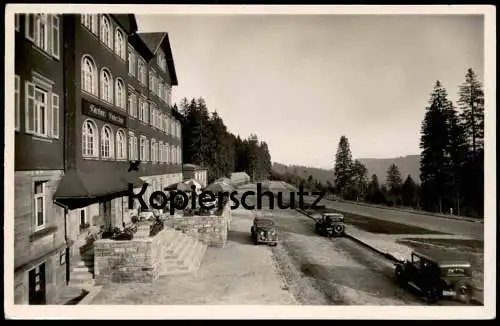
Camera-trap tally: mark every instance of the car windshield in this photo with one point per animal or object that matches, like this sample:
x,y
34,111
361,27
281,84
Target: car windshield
x,y
264,222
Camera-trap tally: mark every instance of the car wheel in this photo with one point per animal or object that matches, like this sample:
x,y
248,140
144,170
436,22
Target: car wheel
x,y
338,229
432,294
399,275
463,291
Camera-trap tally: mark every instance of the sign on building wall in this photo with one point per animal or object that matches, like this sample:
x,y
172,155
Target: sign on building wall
x,y
101,113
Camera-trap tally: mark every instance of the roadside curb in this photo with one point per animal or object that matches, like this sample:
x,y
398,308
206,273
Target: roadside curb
x,y
459,218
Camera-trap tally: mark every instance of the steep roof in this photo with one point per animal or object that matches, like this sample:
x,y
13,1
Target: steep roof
x,y
156,40
127,22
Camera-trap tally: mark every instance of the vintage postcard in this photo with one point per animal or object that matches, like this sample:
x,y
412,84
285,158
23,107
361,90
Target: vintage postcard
x,y
168,161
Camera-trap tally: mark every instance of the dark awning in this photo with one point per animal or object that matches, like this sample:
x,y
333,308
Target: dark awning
x,y
78,189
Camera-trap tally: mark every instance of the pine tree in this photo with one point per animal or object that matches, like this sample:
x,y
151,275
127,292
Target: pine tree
x,y
343,164
359,179
394,183
374,194
409,192
471,103
434,142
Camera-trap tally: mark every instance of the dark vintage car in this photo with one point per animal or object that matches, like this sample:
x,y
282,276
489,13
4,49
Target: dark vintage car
x,y
264,230
330,224
436,275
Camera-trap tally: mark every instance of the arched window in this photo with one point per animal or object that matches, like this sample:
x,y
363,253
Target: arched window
x,y
132,146
132,105
106,86
89,75
121,145
120,94
107,143
90,139
106,35
120,44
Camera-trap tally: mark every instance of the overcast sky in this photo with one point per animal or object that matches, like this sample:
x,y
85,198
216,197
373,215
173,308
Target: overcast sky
x,y
300,82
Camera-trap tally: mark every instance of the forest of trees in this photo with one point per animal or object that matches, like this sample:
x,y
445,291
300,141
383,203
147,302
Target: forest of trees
x,y
451,166
207,142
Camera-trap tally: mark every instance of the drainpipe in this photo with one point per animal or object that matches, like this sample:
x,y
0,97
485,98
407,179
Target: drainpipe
x,y
67,240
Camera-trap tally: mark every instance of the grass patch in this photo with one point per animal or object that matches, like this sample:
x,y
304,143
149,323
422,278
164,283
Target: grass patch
x,y
374,225
462,245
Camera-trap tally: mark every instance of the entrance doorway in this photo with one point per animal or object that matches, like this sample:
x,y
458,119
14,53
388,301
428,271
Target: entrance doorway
x,y
105,213
37,287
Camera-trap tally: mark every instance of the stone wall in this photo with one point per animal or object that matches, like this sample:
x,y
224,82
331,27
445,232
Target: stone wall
x,y
211,230
137,260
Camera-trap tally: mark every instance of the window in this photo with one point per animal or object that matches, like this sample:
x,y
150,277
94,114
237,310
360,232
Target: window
x,y
167,153
40,214
17,93
169,95
120,94
132,149
90,21
146,150
106,86
89,75
37,285
162,62
107,142
131,61
89,139
142,71
106,36
143,110
161,89
132,105
179,155
55,116
152,112
142,149
172,127
153,151
120,44
37,107
83,219
16,21
43,31
172,155
161,157
152,82
121,145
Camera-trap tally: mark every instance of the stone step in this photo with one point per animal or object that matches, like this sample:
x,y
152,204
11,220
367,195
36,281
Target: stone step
x,y
198,258
174,241
81,263
187,259
176,246
184,251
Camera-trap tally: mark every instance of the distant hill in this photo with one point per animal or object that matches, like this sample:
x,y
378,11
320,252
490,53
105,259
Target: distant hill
x,y
304,171
407,165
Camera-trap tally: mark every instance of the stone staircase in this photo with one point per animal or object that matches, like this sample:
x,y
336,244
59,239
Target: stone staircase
x,y
82,268
183,254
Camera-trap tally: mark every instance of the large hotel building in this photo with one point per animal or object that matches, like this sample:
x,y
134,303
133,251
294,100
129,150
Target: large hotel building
x,y
91,94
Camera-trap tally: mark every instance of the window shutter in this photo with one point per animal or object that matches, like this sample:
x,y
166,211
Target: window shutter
x,y
151,112
30,108
17,102
55,115
30,27
55,36
49,113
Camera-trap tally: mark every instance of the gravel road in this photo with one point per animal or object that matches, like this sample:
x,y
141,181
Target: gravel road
x,y
338,271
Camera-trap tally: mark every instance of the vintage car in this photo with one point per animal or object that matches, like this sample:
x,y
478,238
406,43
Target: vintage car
x,y
436,275
264,230
330,224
